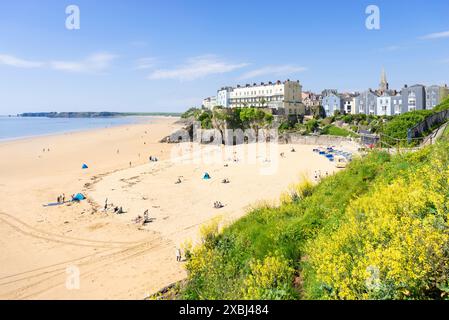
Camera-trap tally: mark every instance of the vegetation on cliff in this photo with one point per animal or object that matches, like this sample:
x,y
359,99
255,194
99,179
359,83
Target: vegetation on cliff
x,y
377,230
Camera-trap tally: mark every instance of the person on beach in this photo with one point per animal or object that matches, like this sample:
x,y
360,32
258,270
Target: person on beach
x,y
63,198
146,217
58,199
178,254
106,204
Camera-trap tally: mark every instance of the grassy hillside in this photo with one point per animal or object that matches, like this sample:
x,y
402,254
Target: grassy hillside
x,y
377,230
398,126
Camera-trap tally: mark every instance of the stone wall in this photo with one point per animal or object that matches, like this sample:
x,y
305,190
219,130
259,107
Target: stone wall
x,y
322,140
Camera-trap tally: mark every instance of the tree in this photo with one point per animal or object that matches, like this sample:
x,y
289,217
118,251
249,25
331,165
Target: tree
x,y
312,125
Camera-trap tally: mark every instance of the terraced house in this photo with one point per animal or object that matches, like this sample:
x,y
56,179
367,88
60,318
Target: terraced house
x,y
283,98
331,102
435,94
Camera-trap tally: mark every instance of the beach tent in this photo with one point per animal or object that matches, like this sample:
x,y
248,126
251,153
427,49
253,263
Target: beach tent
x,y
85,166
78,197
206,176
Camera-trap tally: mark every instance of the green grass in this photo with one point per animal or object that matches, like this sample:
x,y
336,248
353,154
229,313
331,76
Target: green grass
x,y
337,131
446,132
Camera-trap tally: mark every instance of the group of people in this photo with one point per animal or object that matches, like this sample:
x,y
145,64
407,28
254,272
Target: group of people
x,y
61,198
145,219
218,205
317,175
225,180
153,159
118,210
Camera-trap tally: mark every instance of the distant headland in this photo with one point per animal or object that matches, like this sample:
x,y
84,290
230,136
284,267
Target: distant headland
x,y
103,114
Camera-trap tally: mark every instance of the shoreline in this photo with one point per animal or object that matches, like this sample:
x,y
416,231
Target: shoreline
x,y
14,139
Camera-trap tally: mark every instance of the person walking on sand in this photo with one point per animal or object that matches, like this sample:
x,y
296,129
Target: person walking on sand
x,y
63,198
106,204
178,254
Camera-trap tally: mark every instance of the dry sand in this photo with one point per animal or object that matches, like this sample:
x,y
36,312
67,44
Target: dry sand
x,y
43,247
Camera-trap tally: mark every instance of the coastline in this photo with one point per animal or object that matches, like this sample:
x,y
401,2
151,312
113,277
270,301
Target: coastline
x,y
141,120
117,258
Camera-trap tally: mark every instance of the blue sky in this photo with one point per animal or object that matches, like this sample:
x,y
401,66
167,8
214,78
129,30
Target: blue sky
x,y
167,55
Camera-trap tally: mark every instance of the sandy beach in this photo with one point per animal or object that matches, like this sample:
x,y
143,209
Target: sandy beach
x,y
117,258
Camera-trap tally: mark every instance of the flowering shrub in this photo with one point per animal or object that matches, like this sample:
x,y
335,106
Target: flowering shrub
x,y
393,243
377,230
268,279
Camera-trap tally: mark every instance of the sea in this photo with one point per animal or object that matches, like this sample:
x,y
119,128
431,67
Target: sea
x,y
12,128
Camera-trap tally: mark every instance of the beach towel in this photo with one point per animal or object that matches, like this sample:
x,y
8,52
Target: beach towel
x,y
53,204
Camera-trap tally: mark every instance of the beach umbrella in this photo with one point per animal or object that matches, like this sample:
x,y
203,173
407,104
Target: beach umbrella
x,y
85,166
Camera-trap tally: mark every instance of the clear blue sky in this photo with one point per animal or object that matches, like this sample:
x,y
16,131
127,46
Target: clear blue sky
x,y
167,55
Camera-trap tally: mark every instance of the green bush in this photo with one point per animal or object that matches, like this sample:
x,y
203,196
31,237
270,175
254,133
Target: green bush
x,y
398,127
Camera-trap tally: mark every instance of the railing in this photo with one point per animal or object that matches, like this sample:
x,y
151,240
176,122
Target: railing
x,y
427,125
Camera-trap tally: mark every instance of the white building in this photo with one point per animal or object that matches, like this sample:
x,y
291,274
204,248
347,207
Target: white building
x,y
397,104
224,97
384,105
349,102
284,97
210,103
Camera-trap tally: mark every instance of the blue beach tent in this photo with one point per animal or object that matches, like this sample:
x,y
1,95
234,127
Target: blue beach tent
x,y
85,166
206,176
79,197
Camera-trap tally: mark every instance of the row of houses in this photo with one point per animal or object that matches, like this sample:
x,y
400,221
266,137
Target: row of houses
x,y
287,98
383,101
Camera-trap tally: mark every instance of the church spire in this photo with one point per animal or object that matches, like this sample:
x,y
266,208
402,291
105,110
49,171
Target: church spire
x,y
383,86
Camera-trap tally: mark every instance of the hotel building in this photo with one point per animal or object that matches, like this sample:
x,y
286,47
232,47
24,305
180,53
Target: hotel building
x,y
283,98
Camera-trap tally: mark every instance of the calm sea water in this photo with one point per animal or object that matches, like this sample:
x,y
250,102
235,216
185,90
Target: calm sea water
x,y
22,127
